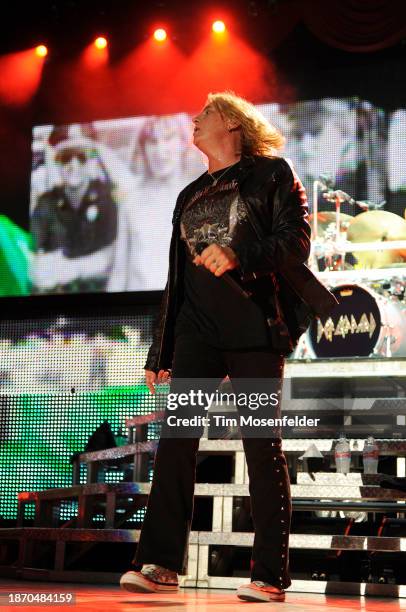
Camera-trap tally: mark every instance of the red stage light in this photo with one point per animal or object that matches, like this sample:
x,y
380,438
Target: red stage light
x,y
41,51
219,27
100,42
160,34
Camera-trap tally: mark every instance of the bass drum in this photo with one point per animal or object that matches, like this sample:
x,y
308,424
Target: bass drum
x,y
363,323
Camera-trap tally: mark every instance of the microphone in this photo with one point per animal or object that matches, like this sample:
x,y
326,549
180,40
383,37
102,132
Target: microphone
x,y
199,248
365,205
331,196
368,205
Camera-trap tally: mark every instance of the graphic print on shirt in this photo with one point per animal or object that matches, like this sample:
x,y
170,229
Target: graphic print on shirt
x,y
212,215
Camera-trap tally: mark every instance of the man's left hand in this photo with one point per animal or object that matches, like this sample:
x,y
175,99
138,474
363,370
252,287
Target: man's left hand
x,y
218,259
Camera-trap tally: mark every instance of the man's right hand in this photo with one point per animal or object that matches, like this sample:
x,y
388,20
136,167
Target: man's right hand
x,y
152,379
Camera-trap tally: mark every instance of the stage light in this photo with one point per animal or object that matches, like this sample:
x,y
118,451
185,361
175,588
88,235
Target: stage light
x,y
41,51
160,35
219,27
100,42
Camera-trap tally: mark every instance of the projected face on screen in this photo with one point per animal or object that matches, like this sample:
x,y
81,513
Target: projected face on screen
x,y
162,142
74,217
101,207
73,169
103,194
322,141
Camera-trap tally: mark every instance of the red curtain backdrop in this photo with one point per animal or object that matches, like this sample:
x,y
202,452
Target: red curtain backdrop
x,y
351,25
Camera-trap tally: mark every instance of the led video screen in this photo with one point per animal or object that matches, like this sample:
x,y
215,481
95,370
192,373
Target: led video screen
x,y
101,202
60,379
103,193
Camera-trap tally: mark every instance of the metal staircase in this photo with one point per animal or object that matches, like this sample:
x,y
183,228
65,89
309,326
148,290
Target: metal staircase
x,y
323,507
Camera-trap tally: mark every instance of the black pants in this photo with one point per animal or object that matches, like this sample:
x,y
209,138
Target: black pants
x,y
167,523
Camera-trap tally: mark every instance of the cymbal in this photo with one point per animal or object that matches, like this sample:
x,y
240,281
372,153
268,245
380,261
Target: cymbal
x,y
377,226
326,217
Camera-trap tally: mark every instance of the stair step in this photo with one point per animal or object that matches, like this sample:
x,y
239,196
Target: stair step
x,y
325,446
303,491
296,540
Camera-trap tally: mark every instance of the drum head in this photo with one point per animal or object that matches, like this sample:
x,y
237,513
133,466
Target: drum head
x,y
351,329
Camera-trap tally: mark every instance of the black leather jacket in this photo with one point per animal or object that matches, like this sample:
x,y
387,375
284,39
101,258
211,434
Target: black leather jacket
x,y
277,210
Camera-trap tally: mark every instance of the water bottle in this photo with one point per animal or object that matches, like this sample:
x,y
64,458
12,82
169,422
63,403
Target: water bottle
x,y
370,456
342,454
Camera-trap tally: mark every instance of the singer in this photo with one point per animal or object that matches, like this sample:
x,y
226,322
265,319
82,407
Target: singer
x,y
237,299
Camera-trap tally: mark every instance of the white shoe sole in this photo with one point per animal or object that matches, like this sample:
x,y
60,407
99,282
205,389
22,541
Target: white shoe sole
x,y
247,594
137,583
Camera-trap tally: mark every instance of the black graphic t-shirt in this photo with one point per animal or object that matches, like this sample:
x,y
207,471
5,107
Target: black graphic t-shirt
x,y
212,308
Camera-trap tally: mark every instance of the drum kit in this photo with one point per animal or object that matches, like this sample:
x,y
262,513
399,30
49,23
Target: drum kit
x,y
372,239
368,249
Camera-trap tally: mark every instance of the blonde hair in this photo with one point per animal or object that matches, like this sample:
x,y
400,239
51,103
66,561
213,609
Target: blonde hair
x,y
258,136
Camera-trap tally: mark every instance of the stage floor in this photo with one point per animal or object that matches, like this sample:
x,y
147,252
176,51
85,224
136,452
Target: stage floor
x,y
91,598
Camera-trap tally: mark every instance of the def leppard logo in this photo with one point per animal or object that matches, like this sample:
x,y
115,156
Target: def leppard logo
x,y
346,325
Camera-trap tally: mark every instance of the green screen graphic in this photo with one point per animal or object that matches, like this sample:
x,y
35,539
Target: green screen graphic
x,y
16,252
59,380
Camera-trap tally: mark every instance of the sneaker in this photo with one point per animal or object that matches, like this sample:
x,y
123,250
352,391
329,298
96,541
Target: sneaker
x,y
260,591
151,579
